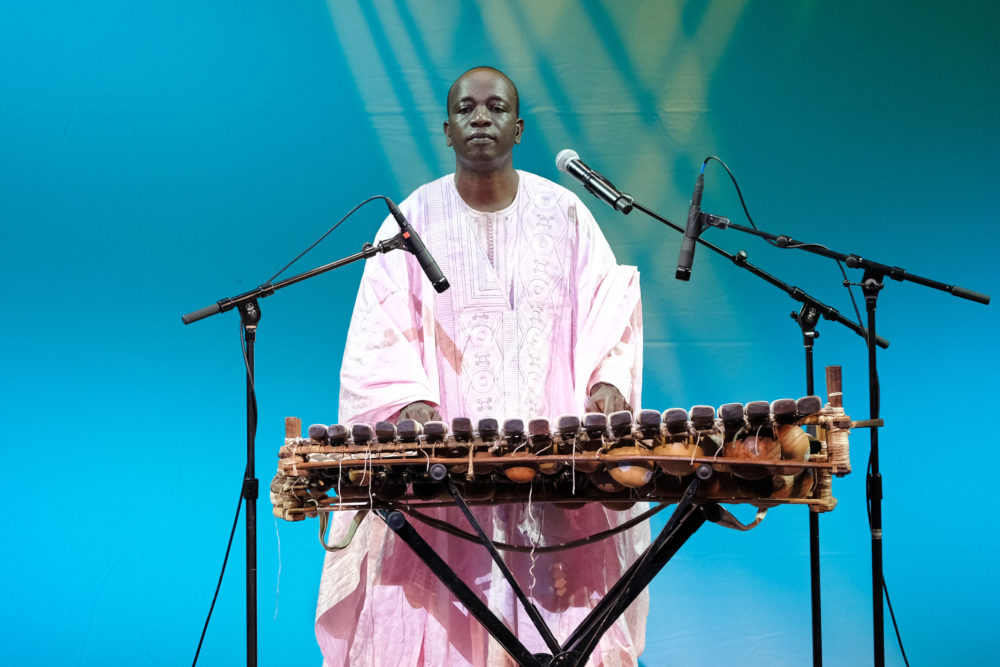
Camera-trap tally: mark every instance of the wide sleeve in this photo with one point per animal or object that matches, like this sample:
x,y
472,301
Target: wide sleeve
x,y
389,359
608,346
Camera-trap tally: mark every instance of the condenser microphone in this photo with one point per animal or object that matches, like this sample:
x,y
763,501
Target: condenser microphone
x,y
569,161
692,231
419,250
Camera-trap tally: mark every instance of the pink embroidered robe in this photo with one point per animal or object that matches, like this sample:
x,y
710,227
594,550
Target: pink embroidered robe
x,y
537,313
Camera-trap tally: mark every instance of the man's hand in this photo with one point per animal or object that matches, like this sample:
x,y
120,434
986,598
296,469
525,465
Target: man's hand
x,y
606,398
420,412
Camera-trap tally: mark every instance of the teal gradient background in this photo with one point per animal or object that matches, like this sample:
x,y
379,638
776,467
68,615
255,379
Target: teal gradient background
x,y
156,157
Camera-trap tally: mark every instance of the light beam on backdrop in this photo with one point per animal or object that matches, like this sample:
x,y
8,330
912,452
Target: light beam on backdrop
x,y
403,130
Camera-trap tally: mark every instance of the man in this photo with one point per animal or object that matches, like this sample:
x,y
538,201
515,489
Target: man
x,y
539,321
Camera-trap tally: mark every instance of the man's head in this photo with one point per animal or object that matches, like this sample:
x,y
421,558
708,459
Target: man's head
x,y
454,87
483,119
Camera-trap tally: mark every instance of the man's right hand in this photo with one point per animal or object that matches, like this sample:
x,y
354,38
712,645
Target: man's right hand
x,y
606,398
420,411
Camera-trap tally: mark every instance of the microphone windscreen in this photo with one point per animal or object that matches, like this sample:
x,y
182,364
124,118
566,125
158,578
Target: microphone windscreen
x,y
564,157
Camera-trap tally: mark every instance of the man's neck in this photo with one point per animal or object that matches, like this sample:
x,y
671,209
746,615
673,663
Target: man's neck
x,y
487,191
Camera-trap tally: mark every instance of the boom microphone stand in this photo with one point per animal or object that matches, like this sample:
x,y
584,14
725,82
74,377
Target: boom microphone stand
x,y
249,309
872,282
807,318
740,259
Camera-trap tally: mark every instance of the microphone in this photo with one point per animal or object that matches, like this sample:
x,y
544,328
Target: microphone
x,y
692,230
569,161
416,246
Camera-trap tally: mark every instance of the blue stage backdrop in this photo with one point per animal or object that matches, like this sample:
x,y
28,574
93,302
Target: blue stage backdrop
x,y
156,157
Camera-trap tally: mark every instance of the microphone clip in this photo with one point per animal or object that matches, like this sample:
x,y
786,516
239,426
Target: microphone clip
x,y
706,220
394,243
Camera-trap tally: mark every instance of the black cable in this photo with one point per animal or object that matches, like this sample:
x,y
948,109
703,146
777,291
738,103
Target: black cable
x,y
746,211
253,386
327,233
895,626
848,284
737,186
239,505
451,529
253,421
885,587
229,547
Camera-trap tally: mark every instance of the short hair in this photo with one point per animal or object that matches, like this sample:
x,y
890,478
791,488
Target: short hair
x,y
451,89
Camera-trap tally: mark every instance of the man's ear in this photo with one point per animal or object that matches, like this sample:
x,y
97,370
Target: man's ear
x,y
518,130
447,134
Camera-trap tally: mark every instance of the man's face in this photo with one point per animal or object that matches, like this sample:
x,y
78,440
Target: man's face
x,y
482,125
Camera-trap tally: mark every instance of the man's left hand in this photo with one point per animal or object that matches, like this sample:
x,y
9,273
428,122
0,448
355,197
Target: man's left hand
x,y
606,398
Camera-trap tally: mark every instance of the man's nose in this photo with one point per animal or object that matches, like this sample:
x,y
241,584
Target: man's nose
x,y
481,116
